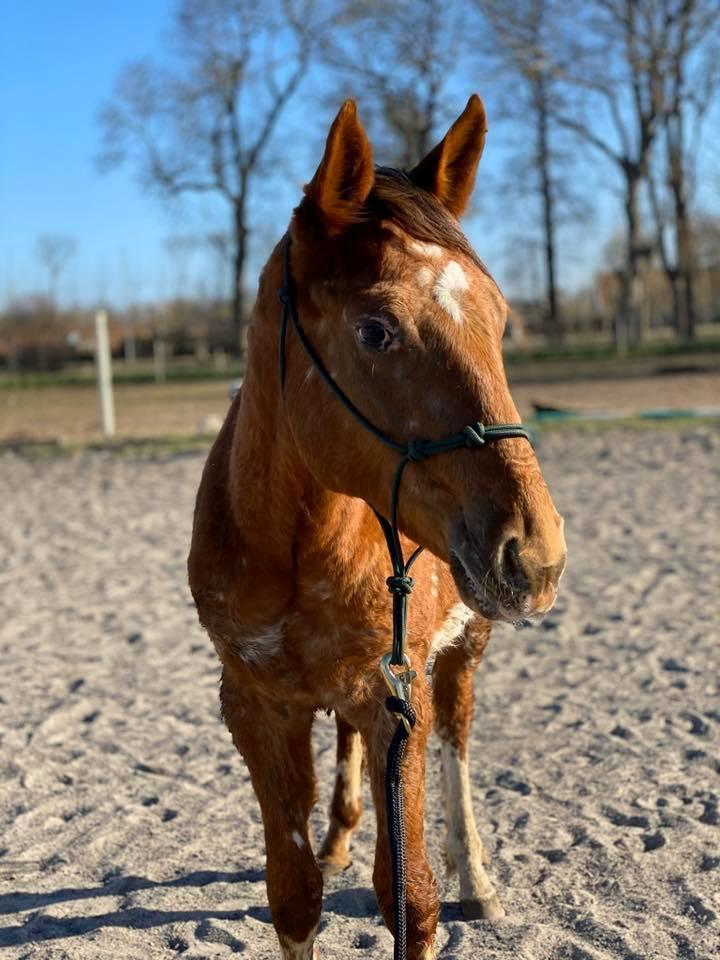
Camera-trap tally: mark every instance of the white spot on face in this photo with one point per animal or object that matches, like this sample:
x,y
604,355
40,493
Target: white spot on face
x,y
297,839
448,286
426,249
425,277
310,373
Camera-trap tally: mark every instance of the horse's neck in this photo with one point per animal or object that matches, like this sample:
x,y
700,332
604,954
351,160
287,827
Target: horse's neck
x,y
285,518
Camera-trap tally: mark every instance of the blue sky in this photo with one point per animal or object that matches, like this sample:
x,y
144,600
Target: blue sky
x,y
58,62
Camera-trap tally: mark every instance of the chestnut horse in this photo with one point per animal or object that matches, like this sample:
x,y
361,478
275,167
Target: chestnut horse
x,y
288,563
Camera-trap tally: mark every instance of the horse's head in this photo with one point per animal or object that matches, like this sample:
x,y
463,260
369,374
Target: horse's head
x,y
409,323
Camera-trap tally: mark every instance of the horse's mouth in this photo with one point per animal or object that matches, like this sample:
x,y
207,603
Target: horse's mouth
x,y
483,596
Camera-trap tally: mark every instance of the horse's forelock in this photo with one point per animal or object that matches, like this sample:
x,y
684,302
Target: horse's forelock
x,y
417,212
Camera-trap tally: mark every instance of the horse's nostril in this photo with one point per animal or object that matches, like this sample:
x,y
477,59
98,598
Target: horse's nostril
x,y
510,565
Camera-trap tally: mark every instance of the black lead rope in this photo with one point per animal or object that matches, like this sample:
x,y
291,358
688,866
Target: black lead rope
x,y
400,584
395,806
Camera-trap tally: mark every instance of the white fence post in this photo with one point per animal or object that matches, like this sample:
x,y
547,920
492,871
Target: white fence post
x,y
103,363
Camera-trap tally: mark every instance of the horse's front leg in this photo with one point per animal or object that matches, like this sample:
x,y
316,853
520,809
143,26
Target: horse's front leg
x,y
274,739
423,907
453,700
346,804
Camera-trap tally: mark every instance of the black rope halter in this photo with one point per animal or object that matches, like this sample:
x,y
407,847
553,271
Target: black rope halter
x,y
400,584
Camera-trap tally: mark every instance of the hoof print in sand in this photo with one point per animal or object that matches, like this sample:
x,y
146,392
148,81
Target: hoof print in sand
x,y
653,841
510,782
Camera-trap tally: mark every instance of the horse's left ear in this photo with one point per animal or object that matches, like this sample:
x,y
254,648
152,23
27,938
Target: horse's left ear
x,y
449,169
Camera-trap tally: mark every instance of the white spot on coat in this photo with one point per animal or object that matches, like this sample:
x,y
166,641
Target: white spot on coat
x,y
434,585
260,645
323,590
297,839
452,628
451,282
425,277
425,249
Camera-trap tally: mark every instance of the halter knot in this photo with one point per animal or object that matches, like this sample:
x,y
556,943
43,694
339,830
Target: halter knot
x,y
400,586
474,435
285,295
416,451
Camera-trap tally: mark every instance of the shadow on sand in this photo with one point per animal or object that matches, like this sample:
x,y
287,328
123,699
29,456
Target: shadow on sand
x,y
37,927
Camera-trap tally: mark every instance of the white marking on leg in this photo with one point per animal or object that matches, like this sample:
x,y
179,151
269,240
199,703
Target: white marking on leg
x,y
448,286
292,950
348,782
297,839
464,847
349,771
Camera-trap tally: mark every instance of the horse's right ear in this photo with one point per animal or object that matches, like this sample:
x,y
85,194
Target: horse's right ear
x,y
346,173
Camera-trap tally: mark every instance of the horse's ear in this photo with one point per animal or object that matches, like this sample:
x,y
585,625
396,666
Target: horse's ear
x,y
346,173
449,169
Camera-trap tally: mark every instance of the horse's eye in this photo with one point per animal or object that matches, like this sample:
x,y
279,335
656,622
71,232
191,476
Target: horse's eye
x,y
375,334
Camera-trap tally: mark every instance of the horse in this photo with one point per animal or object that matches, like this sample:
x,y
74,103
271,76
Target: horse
x,y
288,563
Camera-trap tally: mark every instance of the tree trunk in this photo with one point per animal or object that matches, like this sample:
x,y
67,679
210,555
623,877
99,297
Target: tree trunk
x,y
683,239
239,319
625,327
553,325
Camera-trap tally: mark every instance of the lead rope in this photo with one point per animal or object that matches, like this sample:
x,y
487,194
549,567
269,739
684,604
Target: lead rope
x,y
399,584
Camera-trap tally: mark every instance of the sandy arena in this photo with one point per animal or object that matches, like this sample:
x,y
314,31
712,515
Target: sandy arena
x,y
129,828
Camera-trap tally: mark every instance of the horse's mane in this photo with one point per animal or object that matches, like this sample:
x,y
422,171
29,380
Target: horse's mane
x,y
416,211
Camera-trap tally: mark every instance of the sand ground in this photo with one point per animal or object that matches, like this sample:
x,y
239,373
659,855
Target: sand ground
x,y
128,826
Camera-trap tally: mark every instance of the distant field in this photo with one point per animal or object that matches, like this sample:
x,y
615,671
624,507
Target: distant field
x,y
69,414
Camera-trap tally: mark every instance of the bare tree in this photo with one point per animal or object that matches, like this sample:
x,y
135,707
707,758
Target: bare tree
x,y
54,251
202,122
399,55
615,65
690,76
523,43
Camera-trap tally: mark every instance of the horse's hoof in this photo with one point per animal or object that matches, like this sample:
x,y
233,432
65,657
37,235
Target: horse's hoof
x,y
329,868
489,908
